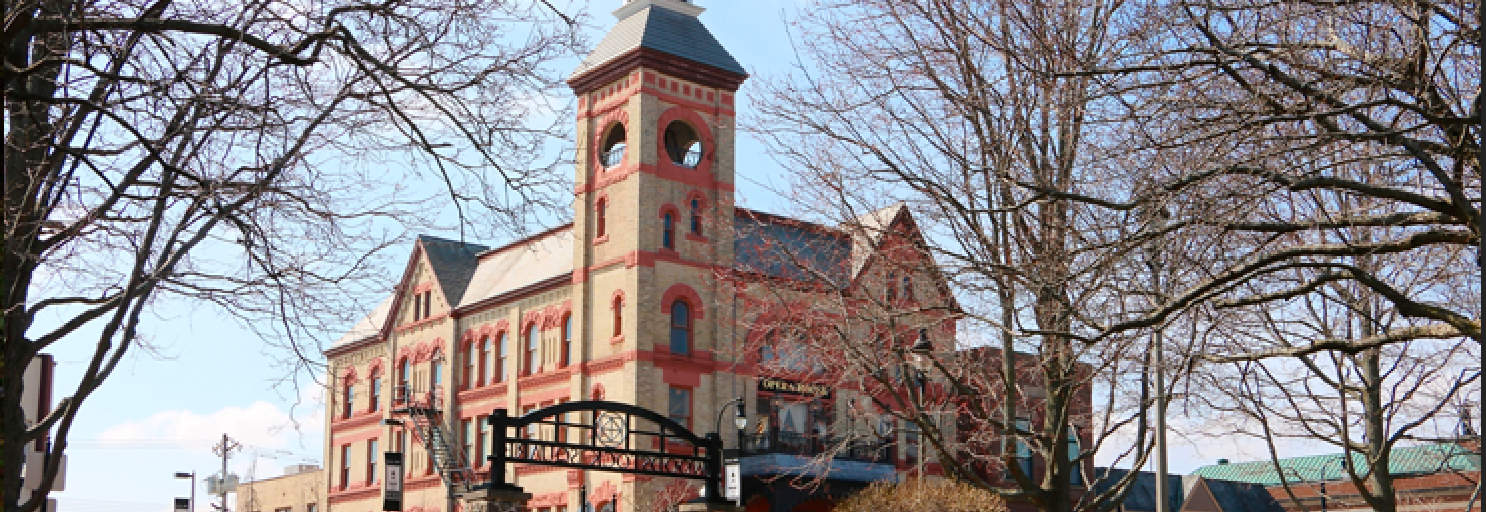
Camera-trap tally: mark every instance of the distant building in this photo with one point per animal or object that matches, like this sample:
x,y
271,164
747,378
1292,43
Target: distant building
x,y
298,490
1188,494
1427,478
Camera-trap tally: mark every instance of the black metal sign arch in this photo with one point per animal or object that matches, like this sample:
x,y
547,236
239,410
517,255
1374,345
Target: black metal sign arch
x,y
613,437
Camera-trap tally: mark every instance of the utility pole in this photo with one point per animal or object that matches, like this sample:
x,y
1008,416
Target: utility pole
x,y
224,449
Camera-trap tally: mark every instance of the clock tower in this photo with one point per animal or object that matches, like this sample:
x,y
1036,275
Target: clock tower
x,y
653,202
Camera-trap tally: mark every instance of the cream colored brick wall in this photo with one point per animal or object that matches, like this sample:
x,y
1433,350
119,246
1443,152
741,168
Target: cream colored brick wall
x,y
296,493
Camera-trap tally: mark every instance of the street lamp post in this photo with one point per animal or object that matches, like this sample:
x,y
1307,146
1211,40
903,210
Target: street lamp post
x,y
1154,263
921,357
740,420
1343,461
192,477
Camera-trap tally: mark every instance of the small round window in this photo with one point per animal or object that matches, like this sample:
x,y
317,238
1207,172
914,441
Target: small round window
x,y
612,153
683,145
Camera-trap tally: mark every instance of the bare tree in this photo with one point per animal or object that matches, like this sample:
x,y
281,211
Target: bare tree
x,y
1321,161
252,155
956,109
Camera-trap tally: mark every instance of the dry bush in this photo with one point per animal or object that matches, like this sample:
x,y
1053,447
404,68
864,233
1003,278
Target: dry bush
x,y
920,495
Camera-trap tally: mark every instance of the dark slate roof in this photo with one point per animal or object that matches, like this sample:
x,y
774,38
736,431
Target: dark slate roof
x,y
664,30
785,248
1142,495
1242,497
1409,460
453,264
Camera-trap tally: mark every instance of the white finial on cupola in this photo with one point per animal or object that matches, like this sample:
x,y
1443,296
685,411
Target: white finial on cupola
x,y
686,7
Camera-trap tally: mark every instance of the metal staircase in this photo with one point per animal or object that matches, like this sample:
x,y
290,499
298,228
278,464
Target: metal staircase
x,y
425,411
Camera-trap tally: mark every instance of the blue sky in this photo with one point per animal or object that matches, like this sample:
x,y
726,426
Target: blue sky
x,y
161,412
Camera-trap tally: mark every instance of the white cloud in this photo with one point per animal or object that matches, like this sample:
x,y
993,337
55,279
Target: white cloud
x,y
270,440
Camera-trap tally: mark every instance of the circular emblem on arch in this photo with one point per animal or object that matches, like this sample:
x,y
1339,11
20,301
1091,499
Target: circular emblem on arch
x,y
686,141
610,429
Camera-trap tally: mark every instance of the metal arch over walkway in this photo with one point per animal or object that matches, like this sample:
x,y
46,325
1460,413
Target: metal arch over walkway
x,y
614,437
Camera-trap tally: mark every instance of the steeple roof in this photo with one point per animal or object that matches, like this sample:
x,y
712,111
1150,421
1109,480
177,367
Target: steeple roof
x,y
668,26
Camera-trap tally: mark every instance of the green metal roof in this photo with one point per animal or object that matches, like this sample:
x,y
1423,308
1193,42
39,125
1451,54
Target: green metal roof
x,y
1410,460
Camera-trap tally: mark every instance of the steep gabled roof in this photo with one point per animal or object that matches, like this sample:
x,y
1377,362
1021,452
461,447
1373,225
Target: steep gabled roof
x,y
1240,496
369,325
523,263
867,231
781,247
665,30
453,263
1142,494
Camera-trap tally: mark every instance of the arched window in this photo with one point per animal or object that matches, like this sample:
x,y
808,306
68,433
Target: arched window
x,y
892,288
600,218
467,369
436,372
375,386
567,340
613,149
696,217
680,327
500,359
668,231
529,356
484,377
618,316
403,371
908,288
683,144
348,394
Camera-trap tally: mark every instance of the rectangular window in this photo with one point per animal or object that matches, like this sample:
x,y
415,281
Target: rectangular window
x,y
348,400
1077,477
371,462
1021,450
482,442
680,406
467,373
284,509
469,439
484,362
376,392
345,466
311,507
910,442
500,362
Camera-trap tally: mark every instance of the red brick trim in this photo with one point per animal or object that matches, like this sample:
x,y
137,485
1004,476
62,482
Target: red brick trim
x,y
671,170
683,291
659,61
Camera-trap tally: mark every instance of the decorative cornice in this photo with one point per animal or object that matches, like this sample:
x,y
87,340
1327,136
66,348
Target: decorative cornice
x,y
672,65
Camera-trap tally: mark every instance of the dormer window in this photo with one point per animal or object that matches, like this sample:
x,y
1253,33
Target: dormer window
x,y
683,146
612,150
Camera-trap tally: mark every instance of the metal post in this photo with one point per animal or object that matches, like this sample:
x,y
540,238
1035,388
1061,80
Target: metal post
x,y
497,449
583,493
1162,505
919,377
713,487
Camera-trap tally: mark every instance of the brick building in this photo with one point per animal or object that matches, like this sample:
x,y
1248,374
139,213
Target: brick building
x,y
638,300
1433,477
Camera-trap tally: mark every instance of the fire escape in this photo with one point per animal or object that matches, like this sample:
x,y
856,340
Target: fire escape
x,y
432,429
